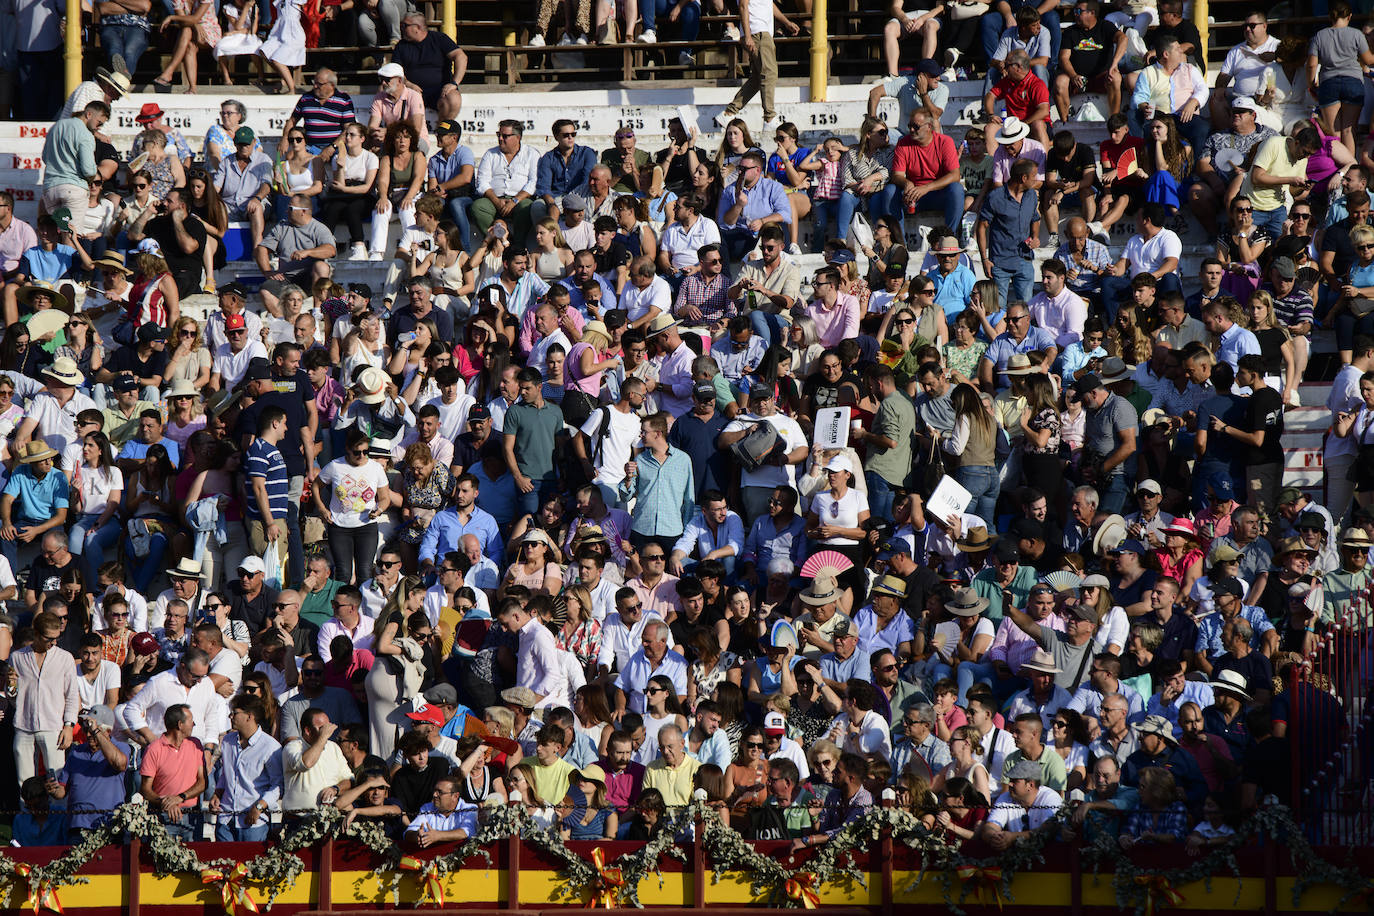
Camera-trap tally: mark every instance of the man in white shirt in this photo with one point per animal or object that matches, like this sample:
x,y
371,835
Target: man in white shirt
x,y
756,486
677,250
777,745
622,632
1023,808
185,579
859,729
226,667
1242,74
647,294
348,620
1058,309
1153,250
314,768
605,443
506,178
188,683
537,664
550,332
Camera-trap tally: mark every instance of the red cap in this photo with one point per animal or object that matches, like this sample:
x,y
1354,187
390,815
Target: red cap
x,y
235,322
143,644
426,713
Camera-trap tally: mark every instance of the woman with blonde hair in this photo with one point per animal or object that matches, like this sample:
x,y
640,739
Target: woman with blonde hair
x,y
187,356
582,369
163,167
185,413
1276,346
966,753
803,342
551,256
1128,338
519,782
987,304
427,486
580,633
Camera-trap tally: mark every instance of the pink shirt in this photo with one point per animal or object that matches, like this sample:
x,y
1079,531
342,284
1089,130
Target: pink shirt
x,y
835,324
1013,646
392,110
14,241
173,769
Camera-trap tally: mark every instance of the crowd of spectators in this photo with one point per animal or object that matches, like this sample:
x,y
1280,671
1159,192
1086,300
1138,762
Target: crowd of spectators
x,y
560,509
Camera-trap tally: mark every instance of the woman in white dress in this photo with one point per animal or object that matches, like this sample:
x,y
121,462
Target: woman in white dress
x,y
285,45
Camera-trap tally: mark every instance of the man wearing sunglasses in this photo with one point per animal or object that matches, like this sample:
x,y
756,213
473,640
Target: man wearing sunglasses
x,y
188,683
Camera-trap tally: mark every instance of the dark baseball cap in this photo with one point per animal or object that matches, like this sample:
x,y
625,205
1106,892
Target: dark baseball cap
x,y
1089,382
234,288
447,127
362,289
760,391
1029,529
1227,586
1006,551
704,391
478,412
125,383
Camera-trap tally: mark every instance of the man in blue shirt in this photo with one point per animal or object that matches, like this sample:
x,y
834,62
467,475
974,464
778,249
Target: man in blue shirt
x,y
34,500
250,775
92,780
134,454
562,170
695,433
451,170
748,204
1008,232
448,526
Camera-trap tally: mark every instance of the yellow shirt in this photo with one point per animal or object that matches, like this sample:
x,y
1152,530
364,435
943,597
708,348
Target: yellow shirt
x,y
551,782
1273,158
675,784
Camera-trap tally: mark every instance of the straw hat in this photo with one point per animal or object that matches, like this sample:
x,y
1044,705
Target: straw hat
x,y
183,388
371,386
59,301
36,450
975,539
64,370
967,603
822,590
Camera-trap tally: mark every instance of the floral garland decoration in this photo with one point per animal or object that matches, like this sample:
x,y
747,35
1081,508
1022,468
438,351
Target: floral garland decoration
x,y
1144,890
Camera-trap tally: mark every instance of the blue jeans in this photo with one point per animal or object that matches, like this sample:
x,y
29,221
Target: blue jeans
x,y
1347,326
1014,282
880,495
91,546
528,503
42,95
10,549
738,243
188,828
993,25
143,570
128,41
970,673
949,201
229,832
982,482
457,211
823,214
1113,492
1271,220
886,201
766,325
690,20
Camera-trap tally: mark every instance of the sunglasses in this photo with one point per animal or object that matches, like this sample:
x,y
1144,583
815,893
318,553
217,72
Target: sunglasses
x,y
142,184
236,333
753,744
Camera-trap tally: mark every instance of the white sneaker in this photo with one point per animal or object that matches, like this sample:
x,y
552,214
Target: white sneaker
x,y
732,32
359,252
723,119
581,40
376,256
565,41
537,41
648,37
1095,227
952,58
771,125
794,249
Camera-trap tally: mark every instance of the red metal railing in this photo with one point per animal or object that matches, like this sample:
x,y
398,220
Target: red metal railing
x,y
1326,711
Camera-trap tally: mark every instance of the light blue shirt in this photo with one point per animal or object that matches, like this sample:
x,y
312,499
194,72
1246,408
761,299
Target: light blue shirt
x,y
953,291
638,669
898,630
733,361
36,501
765,542
715,749
1087,699
68,154
583,751
137,451
446,530
248,775
768,198
665,493
842,669
699,538
1209,631
528,289
1199,692
1235,343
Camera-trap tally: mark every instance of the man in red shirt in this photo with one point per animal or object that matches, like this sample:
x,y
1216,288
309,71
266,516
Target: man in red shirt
x,y
925,167
1024,95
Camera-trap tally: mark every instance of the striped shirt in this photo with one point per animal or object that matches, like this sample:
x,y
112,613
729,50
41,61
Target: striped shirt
x,y
265,461
323,119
